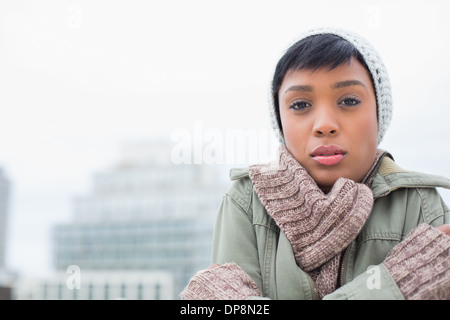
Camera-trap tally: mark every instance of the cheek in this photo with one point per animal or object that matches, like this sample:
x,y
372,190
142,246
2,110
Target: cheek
x,y
367,125
296,136
364,142
294,131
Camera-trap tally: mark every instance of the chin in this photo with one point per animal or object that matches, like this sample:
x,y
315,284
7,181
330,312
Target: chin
x,y
326,182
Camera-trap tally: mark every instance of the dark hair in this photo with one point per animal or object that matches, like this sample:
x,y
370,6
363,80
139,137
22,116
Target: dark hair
x,y
313,52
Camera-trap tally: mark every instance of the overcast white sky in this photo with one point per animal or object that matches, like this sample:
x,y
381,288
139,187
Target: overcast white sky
x,y
80,78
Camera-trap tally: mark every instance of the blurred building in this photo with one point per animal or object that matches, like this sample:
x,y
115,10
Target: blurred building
x,y
144,216
5,276
98,285
4,197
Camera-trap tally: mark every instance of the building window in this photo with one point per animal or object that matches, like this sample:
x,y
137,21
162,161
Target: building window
x,y
106,294
157,291
91,291
140,290
45,293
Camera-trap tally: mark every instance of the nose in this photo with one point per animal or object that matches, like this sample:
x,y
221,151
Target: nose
x,y
325,124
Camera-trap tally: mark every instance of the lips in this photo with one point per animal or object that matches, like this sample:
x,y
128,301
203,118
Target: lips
x,y
328,155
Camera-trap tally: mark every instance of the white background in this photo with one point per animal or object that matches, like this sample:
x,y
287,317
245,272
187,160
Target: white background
x,y
80,78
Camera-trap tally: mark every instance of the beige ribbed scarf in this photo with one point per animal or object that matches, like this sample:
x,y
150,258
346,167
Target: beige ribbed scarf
x,y
319,226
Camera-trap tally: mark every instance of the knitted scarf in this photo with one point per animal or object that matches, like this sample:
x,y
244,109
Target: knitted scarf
x,y
319,226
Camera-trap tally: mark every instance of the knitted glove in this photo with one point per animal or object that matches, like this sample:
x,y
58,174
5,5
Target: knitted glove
x,y
225,282
420,264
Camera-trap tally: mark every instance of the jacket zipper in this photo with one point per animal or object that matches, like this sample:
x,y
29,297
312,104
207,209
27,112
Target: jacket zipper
x,y
343,266
315,293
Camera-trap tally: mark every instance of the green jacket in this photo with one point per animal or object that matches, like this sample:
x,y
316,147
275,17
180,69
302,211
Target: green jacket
x,y
247,235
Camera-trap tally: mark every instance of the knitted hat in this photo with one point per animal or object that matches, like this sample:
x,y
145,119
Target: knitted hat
x,y
377,70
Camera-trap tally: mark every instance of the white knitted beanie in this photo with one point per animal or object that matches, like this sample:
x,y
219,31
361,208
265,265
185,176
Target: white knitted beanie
x,y
377,69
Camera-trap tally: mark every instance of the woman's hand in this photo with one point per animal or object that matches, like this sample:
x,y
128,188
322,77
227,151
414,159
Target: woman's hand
x,y
445,228
220,282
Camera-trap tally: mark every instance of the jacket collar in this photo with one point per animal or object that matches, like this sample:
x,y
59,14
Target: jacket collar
x,y
390,177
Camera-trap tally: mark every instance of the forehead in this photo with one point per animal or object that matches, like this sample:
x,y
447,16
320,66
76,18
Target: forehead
x,y
353,70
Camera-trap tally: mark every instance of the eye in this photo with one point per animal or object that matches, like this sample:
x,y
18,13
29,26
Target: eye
x,y
299,105
350,101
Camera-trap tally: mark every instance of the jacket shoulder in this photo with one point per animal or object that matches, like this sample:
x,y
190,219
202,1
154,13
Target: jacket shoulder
x,y
239,173
390,177
416,191
241,187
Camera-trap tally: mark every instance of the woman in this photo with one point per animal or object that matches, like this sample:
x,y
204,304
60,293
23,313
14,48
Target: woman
x,y
334,217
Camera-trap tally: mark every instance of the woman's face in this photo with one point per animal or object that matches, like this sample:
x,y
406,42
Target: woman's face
x,y
329,121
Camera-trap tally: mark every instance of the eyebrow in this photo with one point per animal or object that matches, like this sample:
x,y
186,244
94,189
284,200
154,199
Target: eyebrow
x,y
348,83
337,85
299,88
